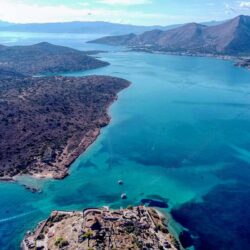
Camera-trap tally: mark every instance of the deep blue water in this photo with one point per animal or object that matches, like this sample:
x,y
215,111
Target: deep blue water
x,y
180,133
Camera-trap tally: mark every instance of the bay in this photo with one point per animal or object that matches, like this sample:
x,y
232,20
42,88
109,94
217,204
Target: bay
x,y
180,134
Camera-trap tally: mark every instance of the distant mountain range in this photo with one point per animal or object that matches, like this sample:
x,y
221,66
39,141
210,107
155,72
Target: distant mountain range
x,y
83,27
80,27
228,38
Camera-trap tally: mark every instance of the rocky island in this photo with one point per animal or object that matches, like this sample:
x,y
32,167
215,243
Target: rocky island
x,y
45,58
47,122
104,229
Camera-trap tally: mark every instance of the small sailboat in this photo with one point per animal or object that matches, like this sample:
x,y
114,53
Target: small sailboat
x,y
123,196
120,182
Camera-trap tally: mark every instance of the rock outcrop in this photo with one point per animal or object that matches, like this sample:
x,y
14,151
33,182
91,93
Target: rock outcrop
x,y
132,228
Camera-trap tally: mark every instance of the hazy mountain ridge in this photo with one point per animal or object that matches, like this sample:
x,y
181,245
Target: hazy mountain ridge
x,y
81,27
229,38
85,27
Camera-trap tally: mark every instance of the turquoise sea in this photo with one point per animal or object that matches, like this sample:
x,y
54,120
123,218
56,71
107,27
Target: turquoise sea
x,y
180,133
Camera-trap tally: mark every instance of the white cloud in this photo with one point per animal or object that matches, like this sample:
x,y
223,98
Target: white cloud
x,y
245,5
16,11
19,12
125,2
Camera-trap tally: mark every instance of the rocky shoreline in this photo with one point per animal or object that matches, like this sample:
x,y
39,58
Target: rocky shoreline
x,y
132,228
49,121
243,62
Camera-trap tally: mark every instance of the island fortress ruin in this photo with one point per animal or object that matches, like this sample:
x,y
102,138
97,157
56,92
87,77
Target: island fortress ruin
x,y
132,228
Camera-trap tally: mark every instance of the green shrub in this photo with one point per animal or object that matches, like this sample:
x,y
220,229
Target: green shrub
x,y
60,242
130,207
160,227
40,237
63,243
88,235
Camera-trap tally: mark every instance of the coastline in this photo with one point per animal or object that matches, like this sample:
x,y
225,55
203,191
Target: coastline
x,y
239,61
68,156
46,174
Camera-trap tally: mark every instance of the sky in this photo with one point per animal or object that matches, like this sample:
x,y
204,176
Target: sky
x,y
139,12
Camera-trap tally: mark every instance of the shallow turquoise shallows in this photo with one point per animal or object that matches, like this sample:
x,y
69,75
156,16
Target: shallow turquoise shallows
x,y
179,131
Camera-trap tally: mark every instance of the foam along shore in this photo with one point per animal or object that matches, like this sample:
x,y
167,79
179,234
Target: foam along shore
x,y
132,228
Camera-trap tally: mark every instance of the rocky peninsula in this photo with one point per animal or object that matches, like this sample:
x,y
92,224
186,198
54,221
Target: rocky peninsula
x,y
46,58
47,122
131,228
243,62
